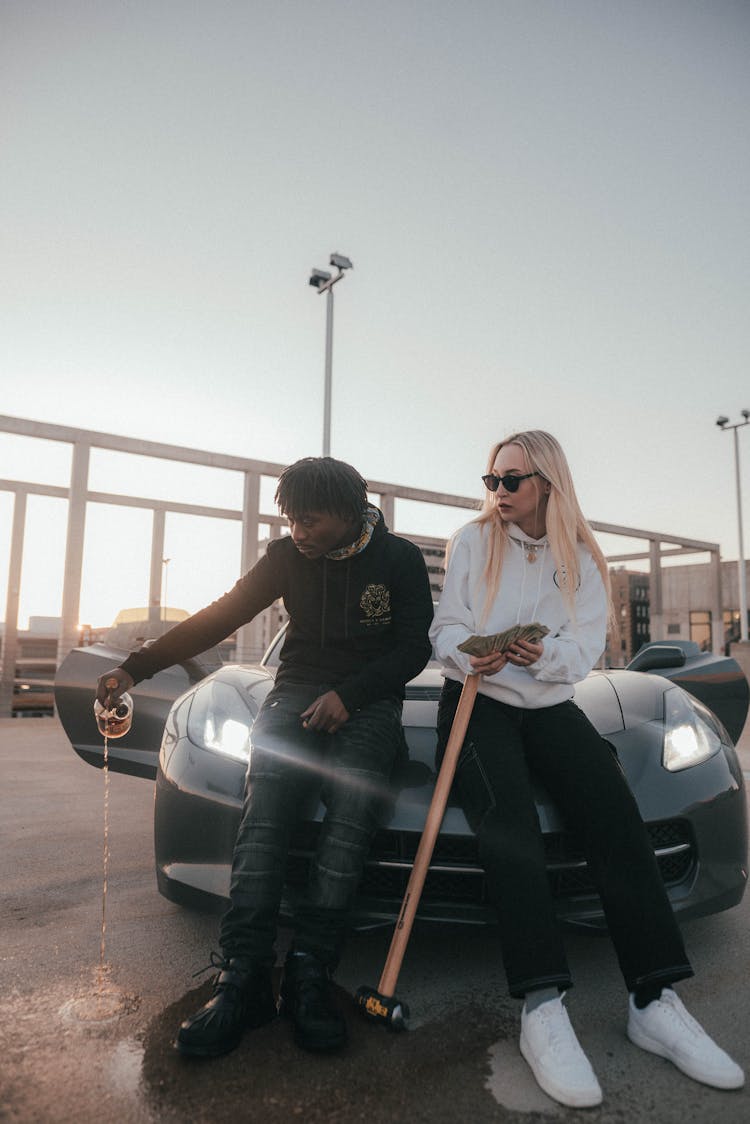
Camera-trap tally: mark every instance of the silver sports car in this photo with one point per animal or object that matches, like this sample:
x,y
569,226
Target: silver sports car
x,y
671,717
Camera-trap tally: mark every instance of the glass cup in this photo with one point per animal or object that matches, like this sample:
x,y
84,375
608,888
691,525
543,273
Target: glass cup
x,y
114,722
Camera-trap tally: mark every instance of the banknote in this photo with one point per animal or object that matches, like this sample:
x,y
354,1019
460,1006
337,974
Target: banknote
x,y
501,641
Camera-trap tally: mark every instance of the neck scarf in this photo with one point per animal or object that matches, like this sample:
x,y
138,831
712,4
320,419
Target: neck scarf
x,y
372,515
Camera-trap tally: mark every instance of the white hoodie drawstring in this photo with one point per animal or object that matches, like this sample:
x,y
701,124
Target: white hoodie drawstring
x,y
523,582
539,584
523,587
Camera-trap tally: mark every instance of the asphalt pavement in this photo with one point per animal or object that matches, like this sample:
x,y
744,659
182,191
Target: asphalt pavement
x,y
81,1044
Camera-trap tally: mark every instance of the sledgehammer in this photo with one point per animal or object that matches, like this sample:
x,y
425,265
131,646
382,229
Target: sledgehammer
x,y
381,1005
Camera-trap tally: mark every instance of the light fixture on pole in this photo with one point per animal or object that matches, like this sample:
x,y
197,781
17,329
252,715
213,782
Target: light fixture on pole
x,y
323,281
723,424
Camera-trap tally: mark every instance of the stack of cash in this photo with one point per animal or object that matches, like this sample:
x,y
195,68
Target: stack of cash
x,y
501,641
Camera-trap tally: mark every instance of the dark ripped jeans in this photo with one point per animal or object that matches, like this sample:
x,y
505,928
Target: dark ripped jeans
x,y
290,769
505,749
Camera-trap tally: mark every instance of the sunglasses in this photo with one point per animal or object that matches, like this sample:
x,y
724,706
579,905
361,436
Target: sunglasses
x,y
510,483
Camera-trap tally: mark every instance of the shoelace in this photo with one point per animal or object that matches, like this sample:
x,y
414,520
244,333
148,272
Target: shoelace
x,y
680,1015
216,960
560,1034
220,964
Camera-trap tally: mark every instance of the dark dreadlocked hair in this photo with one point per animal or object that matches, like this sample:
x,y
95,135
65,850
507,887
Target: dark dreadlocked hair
x,y
322,484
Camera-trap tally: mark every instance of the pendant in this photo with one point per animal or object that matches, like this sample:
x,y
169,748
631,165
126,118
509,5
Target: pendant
x,y
530,553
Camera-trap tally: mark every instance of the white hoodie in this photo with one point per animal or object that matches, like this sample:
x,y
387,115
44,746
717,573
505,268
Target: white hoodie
x,y
528,592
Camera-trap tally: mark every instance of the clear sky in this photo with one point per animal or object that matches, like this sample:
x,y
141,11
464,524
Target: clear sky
x,y
546,204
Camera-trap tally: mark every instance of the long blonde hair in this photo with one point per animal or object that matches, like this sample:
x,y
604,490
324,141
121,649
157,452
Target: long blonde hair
x,y
565,522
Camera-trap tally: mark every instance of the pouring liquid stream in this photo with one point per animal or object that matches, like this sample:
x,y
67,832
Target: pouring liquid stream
x,y
101,975
112,723
106,1001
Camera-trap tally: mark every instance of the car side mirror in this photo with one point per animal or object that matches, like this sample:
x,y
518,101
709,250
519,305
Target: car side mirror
x,y
657,656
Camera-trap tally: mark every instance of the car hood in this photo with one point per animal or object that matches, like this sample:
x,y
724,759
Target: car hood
x,y
597,696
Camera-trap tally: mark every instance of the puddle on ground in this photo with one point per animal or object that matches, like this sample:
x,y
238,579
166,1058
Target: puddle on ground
x,y
125,1062
380,1075
512,1083
102,1004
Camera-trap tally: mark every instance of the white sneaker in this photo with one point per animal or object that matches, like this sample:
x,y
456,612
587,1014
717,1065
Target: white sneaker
x,y
665,1028
549,1045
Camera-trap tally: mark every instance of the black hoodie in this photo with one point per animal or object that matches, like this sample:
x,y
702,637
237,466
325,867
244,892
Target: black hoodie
x,y
357,624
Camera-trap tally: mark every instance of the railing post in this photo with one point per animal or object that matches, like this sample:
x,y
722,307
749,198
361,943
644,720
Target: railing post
x,y
250,636
157,562
717,612
71,598
656,607
388,507
10,637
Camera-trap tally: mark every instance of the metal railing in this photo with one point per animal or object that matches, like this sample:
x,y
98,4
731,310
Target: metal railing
x,y
249,645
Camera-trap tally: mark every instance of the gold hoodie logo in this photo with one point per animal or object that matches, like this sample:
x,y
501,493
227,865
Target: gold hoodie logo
x,y
375,603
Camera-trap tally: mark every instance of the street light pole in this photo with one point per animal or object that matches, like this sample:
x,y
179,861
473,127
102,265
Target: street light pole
x,y
328,373
723,424
323,281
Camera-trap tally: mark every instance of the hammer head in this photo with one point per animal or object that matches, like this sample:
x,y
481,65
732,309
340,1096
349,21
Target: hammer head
x,y
380,1008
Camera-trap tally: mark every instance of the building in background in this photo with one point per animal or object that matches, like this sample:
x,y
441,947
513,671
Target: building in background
x,y
630,597
687,598
36,663
433,552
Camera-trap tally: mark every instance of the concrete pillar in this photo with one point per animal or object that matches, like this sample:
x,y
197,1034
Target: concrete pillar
x,y
157,562
10,637
717,614
71,598
250,636
388,507
656,603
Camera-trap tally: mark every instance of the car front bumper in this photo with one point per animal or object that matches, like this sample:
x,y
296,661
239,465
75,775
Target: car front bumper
x,y
700,845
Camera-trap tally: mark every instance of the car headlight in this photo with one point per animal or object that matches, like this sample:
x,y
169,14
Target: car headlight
x,y
691,732
220,720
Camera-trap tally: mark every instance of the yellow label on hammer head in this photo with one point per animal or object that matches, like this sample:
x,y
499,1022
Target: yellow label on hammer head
x,y
374,1007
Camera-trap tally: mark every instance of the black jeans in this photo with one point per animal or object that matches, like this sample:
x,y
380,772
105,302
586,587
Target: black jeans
x,y
505,748
290,769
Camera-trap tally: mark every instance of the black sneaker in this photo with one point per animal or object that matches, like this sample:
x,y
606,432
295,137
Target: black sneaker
x,y
242,998
306,1000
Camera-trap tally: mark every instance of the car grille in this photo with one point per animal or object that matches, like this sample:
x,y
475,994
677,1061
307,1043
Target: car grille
x,y
455,875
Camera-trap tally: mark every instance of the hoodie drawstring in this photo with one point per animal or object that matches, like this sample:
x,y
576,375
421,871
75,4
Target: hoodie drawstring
x,y
523,589
539,585
523,584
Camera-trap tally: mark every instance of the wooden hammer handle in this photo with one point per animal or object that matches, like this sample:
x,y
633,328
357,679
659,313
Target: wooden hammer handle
x,y
433,821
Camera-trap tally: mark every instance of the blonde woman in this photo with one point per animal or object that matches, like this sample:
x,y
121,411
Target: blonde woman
x,y
530,557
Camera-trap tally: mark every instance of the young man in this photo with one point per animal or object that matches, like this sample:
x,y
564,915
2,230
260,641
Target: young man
x,y
359,607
